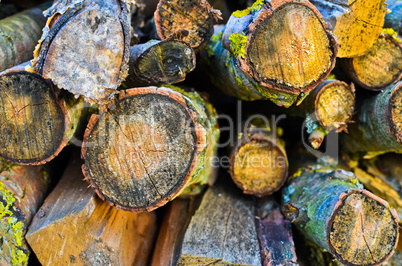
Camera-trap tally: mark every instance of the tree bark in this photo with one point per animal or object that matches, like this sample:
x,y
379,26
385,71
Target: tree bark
x,y
159,62
379,68
335,212
258,163
154,143
356,24
378,128
22,189
85,47
195,16
19,34
394,19
270,61
36,120
84,230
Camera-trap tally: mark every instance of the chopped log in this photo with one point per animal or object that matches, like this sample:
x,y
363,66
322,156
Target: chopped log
x,y
329,107
159,62
19,34
149,146
22,189
36,120
84,229
274,234
378,128
258,163
394,18
221,231
85,47
356,24
379,68
172,231
195,16
279,58
335,212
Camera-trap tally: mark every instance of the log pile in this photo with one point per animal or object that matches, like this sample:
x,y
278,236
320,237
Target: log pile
x,y
279,143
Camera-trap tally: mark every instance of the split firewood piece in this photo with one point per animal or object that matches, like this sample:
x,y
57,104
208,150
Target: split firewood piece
x,y
333,210
172,231
85,47
196,17
393,19
36,120
357,24
221,230
85,230
258,163
278,51
22,190
329,107
159,62
378,128
380,67
149,146
274,234
19,34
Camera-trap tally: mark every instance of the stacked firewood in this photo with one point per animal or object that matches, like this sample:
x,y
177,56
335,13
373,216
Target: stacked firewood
x,y
95,140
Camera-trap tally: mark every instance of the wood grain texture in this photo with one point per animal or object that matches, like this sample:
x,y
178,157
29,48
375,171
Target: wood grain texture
x,y
222,231
75,227
156,143
22,190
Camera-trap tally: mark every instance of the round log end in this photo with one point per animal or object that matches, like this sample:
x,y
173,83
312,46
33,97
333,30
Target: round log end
x,y
289,48
363,230
195,16
33,122
335,105
259,167
139,152
395,111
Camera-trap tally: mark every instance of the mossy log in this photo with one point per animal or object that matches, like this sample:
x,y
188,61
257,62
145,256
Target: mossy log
x,y
84,230
258,163
36,121
196,17
159,62
334,211
329,107
357,24
274,234
22,190
222,231
149,146
267,52
172,231
19,35
393,20
378,127
379,68
85,47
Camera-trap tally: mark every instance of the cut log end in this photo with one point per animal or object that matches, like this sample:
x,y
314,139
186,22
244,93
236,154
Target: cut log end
x,y
380,67
86,55
362,230
290,49
144,147
395,111
33,123
195,16
259,168
335,105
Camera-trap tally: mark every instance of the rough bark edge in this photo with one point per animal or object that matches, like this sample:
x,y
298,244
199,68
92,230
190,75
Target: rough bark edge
x,y
275,5
339,204
233,158
198,133
347,63
388,113
67,122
